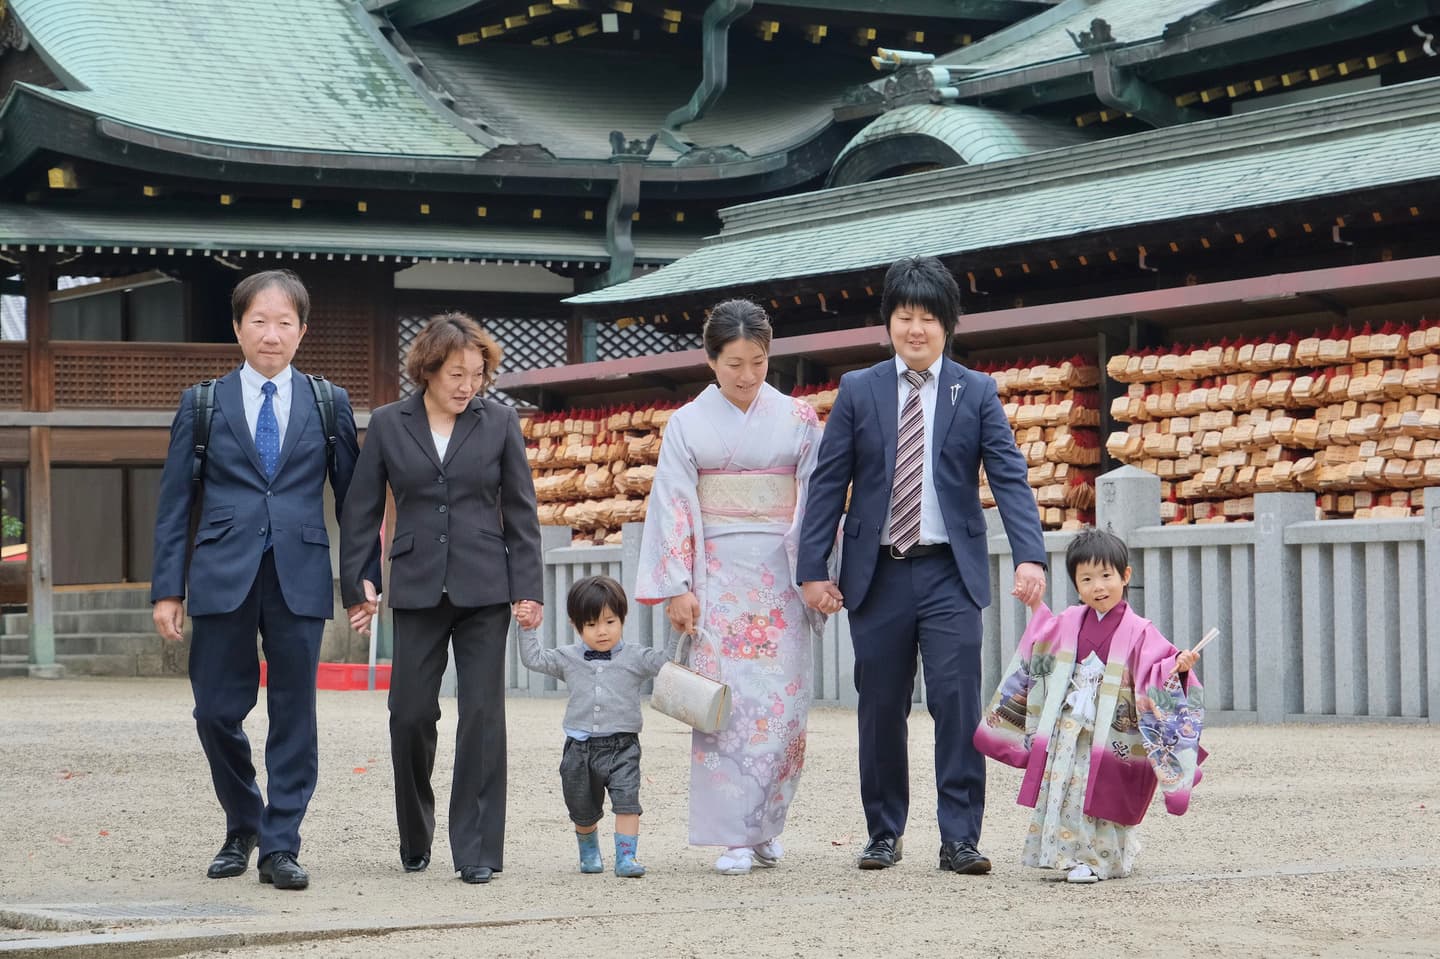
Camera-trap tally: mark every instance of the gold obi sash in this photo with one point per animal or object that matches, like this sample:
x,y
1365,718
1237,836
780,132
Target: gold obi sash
x,y
747,497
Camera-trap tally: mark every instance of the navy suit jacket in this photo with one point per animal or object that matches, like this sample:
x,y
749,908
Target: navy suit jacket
x,y
858,451
240,506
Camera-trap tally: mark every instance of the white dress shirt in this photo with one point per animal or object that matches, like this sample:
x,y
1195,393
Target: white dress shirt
x,y
932,521
251,389
442,443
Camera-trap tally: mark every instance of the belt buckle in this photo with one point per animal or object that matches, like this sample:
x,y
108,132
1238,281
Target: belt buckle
x,y
895,554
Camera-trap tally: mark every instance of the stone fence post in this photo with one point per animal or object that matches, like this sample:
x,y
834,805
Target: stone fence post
x,y
1276,592
1127,499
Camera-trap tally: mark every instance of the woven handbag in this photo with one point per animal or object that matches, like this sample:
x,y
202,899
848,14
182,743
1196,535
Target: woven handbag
x,y
693,698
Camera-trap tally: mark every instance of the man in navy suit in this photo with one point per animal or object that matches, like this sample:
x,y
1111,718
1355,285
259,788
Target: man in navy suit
x,y
908,436
261,563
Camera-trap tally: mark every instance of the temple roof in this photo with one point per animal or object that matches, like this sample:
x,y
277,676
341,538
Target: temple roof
x,y
1317,149
307,75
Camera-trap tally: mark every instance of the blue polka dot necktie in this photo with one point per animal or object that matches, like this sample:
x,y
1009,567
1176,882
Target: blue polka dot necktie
x,y
267,432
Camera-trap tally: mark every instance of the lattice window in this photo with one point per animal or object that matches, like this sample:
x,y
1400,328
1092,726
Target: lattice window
x,y
614,342
12,374
528,344
132,376
337,341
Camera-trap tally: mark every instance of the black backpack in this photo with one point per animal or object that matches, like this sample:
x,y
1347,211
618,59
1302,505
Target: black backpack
x,y
205,409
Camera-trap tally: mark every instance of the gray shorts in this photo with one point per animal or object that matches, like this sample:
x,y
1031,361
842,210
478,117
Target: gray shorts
x,y
591,766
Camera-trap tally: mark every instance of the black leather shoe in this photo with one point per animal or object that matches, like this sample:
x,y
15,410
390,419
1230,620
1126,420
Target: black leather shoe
x,y
882,853
476,874
963,857
281,869
234,857
415,863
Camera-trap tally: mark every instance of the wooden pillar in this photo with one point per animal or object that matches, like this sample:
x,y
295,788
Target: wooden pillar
x,y
385,345
40,598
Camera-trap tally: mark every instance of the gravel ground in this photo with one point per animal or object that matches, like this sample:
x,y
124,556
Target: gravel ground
x,y
1314,840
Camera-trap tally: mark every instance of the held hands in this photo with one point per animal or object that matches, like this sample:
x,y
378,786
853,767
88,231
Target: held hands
x,y
1029,584
362,613
169,617
822,596
528,613
683,612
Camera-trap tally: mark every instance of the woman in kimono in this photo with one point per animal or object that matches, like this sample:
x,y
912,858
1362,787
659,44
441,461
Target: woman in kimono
x,y
1098,708
719,548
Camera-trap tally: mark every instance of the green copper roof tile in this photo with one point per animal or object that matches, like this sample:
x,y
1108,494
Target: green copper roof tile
x,y
1258,160
280,74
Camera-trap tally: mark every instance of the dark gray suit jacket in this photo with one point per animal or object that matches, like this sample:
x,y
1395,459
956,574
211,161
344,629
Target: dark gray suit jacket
x,y
467,524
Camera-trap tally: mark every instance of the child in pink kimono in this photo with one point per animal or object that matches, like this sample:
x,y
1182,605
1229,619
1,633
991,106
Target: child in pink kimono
x,y
1095,666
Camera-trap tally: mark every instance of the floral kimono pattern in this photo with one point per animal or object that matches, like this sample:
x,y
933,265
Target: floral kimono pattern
x,y
1106,754
724,514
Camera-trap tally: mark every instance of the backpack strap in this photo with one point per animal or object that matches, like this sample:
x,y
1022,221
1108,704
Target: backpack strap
x,y
204,410
324,392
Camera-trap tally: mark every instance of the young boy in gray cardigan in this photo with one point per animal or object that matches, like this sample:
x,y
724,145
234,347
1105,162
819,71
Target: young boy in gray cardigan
x,y
602,719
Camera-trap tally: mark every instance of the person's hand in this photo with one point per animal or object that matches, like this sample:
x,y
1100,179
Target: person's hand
x,y
1029,584
822,596
1185,660
529,614
363,612
169,617
683,612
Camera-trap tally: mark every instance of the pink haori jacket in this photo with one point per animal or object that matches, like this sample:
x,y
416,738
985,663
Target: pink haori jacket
x,y
1147,724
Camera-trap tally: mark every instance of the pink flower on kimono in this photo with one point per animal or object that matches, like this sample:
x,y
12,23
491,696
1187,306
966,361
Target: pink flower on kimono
x,y
758,631
777,708
778,618
792,687
767,578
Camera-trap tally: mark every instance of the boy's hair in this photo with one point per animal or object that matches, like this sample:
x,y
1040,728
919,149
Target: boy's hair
x,y
1096,546
924,282
593,595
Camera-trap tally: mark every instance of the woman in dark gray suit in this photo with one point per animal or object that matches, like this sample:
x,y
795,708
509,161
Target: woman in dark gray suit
x,y
466,548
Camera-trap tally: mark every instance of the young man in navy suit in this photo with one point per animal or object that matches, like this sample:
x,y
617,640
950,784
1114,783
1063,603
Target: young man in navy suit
x,y
261,563
909,436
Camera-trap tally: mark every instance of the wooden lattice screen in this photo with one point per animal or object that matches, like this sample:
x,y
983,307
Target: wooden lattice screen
x,y
614,342
528,344
12,374
134,375
337,342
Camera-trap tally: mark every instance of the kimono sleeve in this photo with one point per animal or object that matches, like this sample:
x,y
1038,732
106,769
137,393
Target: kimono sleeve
x,y
673,536
1171,715
808,449
1008,725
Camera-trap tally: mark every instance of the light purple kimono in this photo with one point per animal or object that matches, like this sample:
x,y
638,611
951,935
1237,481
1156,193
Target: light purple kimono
x,y
724,514
1147,723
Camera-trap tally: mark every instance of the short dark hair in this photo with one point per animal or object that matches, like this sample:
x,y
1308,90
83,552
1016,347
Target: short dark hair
x,y
736,320
924,282
443,335
593,595
250,287
1096,546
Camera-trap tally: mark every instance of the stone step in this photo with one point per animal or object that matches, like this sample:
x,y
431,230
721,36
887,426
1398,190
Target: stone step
x,y
121,597
85,622
17,667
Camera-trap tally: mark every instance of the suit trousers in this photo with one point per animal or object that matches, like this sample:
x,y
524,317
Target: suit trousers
x,y
225,678
477,791
918,604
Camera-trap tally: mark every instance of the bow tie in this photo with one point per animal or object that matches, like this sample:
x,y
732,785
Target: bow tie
x,y
597,654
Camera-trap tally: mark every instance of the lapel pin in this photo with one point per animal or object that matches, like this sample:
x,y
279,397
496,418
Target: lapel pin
x,y
954,392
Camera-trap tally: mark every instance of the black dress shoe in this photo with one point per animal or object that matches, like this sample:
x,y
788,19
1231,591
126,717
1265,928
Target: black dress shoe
x,y
882,853
415,863
476,874
963,857
281,869
234,857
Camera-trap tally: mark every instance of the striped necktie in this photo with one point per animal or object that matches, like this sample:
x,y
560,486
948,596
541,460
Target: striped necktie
x,y
909,467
